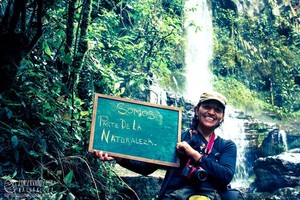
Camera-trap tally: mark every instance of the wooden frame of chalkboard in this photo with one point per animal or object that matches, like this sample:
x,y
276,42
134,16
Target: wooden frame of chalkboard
x,y
136,130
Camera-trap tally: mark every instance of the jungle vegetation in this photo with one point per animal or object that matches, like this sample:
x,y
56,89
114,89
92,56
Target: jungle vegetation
x,y
54,55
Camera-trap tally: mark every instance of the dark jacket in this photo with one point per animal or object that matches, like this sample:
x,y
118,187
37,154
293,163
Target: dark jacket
x,y
219,165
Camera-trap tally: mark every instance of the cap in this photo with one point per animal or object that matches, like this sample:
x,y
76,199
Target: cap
x,y
213,96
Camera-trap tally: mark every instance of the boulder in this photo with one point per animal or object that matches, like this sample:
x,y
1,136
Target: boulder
x,y
146,187
278,171
273,144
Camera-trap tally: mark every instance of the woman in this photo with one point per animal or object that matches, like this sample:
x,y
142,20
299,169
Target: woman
x,y
207,161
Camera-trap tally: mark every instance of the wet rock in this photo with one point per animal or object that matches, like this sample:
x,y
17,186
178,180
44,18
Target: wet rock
x,y
280,171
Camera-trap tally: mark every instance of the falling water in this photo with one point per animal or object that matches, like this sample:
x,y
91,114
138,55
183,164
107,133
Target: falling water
x,y
282,133
233,128
198,54
198,51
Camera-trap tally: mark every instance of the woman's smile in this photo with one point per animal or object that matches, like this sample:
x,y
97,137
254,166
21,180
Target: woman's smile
x,y
210,113
208,118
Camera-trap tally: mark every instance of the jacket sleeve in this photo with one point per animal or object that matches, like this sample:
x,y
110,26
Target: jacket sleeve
x,y
139,167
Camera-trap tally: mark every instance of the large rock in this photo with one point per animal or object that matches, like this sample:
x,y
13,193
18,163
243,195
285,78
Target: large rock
x,y
146,187
278,171
280,194
273,144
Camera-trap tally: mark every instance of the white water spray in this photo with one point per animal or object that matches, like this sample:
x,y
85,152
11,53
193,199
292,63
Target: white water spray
x,y
233,128
282,133
198,51
198,55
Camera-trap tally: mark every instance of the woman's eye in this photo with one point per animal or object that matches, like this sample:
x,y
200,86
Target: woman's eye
x,y
218,110
206,107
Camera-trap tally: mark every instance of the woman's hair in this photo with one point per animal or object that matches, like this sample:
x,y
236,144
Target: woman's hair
x,y
195,121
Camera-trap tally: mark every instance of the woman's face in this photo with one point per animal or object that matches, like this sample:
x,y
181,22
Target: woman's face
x,y
210,114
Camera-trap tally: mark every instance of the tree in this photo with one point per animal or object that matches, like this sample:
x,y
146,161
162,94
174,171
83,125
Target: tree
x,y
87,46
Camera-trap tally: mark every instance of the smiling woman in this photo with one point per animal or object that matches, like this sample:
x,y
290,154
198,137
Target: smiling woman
x,y
210,115
209,112
207,161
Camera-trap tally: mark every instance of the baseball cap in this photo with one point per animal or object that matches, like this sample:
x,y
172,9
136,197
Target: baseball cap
x,y
213,96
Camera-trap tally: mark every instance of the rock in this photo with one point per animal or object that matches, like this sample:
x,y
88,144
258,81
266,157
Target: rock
x,y
273,144
280,194
146,187
288,193
278,171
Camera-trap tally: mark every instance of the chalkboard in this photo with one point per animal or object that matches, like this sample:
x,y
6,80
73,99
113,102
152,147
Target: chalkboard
x,y
135,130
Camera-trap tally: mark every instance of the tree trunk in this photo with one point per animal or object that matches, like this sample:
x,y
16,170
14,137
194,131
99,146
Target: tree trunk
x,y
69,42
82,43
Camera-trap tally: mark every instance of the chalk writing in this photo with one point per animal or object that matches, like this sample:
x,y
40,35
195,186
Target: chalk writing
x,y
104,121
134,126
135,130
123,124
108,137
134,111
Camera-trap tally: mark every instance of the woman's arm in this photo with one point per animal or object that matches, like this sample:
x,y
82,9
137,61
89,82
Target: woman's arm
x,y
138,166
135,166
223,170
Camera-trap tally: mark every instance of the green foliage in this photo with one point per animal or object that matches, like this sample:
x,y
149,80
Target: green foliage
x,y
141,41
238,94
41,139
261,53
45,121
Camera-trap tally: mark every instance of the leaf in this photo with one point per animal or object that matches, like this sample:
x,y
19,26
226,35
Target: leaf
x,y
43,144
46,48
6,177
70,196
76,115
47,106
77,148
78,137
9,177
66,58
69,177
84,113
9,113
33,153
122,90
14,141
17,156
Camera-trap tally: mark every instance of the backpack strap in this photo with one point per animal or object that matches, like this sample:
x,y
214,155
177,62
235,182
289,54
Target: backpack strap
x,y
210,144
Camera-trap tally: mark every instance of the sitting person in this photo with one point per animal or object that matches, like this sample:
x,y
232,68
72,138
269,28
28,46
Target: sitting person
x,y
207,161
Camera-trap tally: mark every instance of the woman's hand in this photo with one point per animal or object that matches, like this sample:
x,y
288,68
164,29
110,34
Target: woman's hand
x,y
103,156
185,149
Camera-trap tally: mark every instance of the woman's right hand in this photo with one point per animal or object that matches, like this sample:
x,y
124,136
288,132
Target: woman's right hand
x,y
185,149
103,156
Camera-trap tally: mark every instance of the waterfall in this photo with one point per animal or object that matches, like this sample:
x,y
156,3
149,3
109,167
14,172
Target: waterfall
x,y
198,78
198,50
233,128
282,133
157,95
